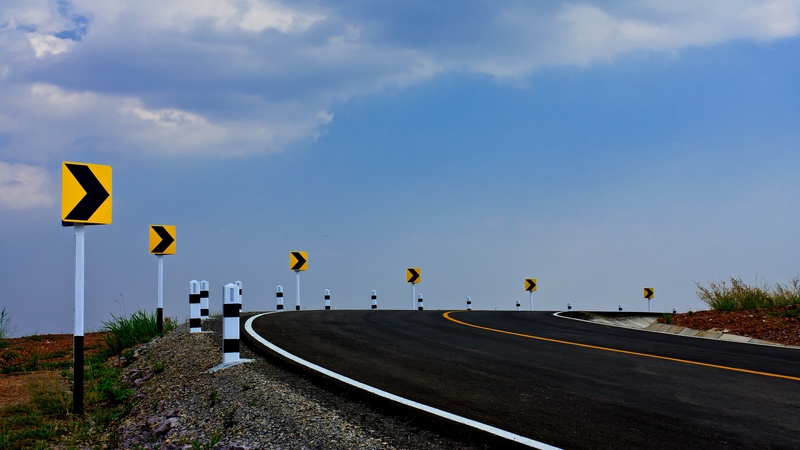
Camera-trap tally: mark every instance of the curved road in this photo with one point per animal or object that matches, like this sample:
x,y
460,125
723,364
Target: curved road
x,y
562,382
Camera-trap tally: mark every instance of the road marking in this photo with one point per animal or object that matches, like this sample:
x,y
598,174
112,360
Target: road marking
x,y
615,350
248,326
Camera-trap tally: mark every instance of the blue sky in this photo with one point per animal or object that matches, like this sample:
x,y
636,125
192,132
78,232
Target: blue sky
x,y
600,147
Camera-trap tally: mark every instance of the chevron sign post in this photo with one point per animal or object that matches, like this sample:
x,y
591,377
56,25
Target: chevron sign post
x,y
85,200
162,242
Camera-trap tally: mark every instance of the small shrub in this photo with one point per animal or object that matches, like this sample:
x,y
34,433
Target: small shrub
x,y
127,332
739,295
667,318
50,398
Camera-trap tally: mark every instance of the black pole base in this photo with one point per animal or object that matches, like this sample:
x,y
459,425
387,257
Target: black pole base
x,y
77,375
160,320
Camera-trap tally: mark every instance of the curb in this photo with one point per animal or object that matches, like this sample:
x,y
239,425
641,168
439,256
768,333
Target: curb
x,y
656,327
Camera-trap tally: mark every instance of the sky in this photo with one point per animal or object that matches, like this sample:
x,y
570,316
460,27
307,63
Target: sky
x,y
599,147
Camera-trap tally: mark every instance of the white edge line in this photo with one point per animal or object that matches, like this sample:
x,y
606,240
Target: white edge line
x,y
404,401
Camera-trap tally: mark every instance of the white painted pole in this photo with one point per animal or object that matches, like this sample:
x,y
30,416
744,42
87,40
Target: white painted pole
x,y
195,323
279,298
297,301
160,310
204,298
327,299
420,306
648,305
531,299
469,303
374,299
413,295
77,340
231,307
519,308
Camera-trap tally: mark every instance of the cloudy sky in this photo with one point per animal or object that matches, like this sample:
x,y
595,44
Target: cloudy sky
x,y
600,147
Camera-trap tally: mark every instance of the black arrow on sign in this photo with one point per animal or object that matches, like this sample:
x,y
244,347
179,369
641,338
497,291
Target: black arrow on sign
x,y
414,275
648,293
531,284
166,239
96,194
300,261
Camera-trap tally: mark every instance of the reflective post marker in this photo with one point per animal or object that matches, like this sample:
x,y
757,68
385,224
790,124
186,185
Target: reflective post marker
x,y
77,342
239,285
195,323
469,303
279,297
519,308
569,306
160,310
204,297
374,299
419,303
231,305
327,299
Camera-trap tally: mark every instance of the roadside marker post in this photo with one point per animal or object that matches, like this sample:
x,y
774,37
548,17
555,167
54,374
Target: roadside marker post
x,y
413,275
204,297
374,300
619,308
569,307
231,306
420,306
162,242
86,199
298,261
519,308
195,323
327,299
469,303
239,285
649,293
279,298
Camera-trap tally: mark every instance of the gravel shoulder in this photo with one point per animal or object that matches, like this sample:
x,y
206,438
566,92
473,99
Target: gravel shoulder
x,y
259,404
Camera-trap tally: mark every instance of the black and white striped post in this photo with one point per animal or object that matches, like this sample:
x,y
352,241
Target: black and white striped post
x,y
519,308
569,306
279,298
374,300
194,307
239,284
469,303
204,299
420,306
231,305
619,308
327,299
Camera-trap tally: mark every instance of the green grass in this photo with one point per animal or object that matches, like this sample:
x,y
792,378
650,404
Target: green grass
x,y
47,422
736,295
127,332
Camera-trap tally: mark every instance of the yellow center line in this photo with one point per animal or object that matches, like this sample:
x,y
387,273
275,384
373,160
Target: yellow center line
x,y
626,352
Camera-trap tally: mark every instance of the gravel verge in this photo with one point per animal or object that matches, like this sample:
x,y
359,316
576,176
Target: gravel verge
x,y
177,404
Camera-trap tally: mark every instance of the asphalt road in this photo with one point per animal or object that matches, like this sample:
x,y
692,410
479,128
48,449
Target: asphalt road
x,y
619,389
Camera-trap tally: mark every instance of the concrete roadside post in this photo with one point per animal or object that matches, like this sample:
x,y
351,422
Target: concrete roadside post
x,y
231,306
374,299
204,295
279,298
519,308
327,299
420,306
194,307
469,303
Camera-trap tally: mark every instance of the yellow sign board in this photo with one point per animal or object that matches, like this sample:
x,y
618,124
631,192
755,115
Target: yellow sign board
x,y
649,293
162,239
85,193
413,274
298,261
530,284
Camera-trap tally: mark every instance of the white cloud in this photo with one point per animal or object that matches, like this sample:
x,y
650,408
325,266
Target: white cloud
x,y
239,77
24,187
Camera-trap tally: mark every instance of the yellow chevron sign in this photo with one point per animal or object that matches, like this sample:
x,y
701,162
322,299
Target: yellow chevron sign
x,y
649,293
162,239
413,274
85,193
298,261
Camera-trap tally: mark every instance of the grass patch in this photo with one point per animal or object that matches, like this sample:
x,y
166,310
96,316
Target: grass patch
x,y
127,332
47,422
735,294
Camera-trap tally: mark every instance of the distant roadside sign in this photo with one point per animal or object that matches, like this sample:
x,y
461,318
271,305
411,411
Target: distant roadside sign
x,y
530,284
413,275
